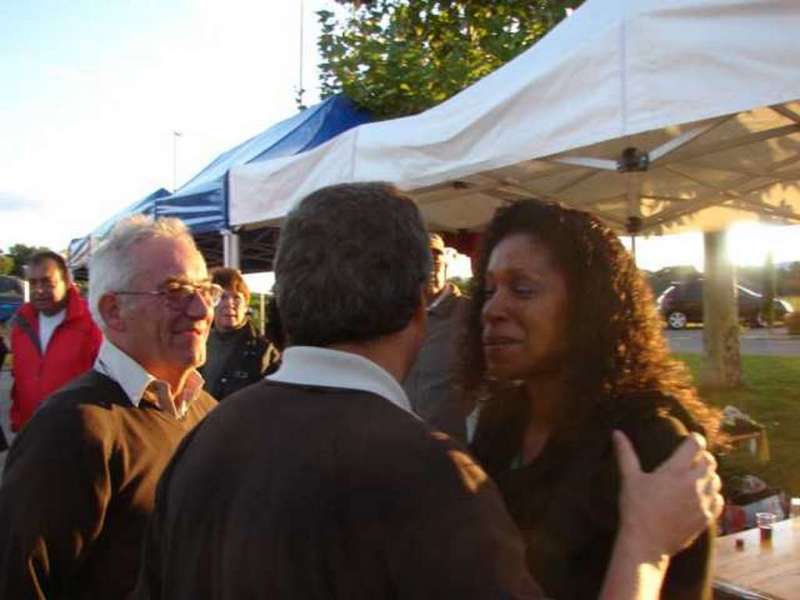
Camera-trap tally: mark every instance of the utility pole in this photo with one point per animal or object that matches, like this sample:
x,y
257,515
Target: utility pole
x,y
175,136
300,91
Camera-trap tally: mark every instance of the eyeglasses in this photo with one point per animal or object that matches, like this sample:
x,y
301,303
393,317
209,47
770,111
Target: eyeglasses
x,y
236,298
179,295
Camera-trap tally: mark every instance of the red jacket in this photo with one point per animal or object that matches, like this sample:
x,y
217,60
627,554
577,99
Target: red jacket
x,y
71,351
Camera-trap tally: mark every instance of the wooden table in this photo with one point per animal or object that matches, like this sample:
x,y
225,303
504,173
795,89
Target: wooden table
x,y
769,570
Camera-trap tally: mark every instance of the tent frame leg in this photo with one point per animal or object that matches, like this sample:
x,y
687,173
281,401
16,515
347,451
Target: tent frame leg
x,y
231,250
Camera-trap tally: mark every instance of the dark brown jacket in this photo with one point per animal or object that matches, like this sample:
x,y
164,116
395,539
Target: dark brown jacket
x,y
306,492
78,488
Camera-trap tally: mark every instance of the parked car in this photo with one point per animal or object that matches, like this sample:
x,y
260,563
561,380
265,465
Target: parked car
x,y
10,296
8,306
682,303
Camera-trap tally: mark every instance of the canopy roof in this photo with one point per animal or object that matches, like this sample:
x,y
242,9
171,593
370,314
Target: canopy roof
x,y
81,248
704,93
201,202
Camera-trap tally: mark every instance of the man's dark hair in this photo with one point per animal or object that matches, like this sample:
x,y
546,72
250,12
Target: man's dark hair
x,y
350,265
43,255
274,328
231,280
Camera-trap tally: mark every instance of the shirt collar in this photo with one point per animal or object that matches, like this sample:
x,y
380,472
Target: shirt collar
x,y
311,365
158,393
59,316
137,383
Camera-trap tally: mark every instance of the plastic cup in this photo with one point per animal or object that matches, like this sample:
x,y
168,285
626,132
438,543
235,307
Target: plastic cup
x,y
765,521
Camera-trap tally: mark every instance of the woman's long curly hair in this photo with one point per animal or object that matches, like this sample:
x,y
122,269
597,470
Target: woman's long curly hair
x,y
616,350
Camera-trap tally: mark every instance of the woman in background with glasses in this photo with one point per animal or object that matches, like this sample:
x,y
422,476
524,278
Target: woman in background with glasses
x,y
236,355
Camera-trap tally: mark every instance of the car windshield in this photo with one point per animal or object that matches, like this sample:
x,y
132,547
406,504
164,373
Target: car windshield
x,y
10,286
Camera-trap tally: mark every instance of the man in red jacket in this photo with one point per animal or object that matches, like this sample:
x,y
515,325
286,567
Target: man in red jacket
x,y
53,337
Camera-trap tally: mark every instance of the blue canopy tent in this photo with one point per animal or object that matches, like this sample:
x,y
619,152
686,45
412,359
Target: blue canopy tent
x,y
81,248
202,202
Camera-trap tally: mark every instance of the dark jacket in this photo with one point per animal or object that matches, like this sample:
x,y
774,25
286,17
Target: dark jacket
x,y
235,360
3,352
78,488
565,502
430,384
307,492
71,351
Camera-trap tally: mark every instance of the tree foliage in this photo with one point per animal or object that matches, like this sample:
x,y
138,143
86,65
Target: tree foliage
x,y
20,255
6,264
399,57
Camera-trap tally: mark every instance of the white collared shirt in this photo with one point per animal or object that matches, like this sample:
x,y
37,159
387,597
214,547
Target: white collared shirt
x,y
136,381
311,365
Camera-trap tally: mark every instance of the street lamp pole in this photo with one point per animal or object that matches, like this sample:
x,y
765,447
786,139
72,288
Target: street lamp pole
x,y
175,136
300,90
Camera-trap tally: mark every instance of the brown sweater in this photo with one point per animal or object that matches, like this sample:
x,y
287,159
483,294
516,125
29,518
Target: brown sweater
x,y
78,488
307,492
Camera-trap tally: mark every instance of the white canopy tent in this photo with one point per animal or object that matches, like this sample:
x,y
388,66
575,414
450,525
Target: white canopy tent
x,y
657,115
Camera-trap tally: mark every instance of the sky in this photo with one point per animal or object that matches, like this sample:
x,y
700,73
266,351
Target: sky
x,y
748,244
92,92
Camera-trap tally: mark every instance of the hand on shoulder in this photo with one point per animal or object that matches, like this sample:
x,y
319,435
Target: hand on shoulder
x,y
663,511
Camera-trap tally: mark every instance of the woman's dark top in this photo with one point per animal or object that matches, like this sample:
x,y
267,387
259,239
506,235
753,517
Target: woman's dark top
x,y
565,501
236,359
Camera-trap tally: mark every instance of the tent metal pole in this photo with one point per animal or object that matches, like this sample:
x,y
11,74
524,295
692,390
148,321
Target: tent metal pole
x,y
231,256
262,314
634,198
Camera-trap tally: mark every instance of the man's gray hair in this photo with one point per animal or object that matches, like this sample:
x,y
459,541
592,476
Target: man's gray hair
x,y
112,266
351,263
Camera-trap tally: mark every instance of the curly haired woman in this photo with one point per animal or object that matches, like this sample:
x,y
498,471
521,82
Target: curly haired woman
x,y
563,346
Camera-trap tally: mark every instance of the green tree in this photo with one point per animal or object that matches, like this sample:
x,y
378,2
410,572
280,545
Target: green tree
x,y
21,254
6,264
400,57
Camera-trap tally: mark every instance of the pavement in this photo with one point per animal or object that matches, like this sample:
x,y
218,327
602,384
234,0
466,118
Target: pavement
x,y
763,342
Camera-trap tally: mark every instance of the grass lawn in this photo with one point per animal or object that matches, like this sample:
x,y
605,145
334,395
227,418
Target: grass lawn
x,y
771,395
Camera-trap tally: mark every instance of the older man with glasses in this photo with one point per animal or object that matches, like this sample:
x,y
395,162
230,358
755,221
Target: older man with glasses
x,y
80,479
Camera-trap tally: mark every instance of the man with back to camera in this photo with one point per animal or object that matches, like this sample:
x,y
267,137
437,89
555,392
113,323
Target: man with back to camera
x,y
53,337
79,481
320,482
429,384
